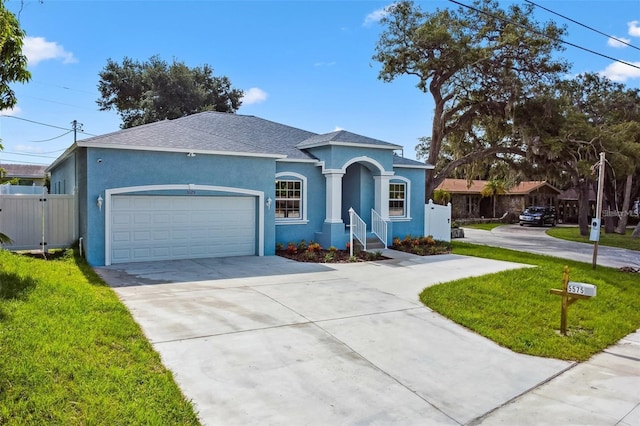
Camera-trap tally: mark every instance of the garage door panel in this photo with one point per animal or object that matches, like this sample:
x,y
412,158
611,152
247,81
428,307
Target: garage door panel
x,y
172,227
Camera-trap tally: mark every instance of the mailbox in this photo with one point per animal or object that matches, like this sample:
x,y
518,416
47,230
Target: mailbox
x,y
595,230
582,289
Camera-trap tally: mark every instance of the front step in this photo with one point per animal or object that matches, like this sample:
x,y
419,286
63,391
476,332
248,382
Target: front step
x,y
373,243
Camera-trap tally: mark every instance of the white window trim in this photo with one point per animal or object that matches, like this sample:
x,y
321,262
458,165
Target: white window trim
x,y
407,199
303,202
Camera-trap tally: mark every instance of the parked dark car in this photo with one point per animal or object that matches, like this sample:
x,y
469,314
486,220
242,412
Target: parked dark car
x,y
538,215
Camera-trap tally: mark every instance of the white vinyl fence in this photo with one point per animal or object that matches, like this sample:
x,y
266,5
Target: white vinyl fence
x,y
38,222
437,221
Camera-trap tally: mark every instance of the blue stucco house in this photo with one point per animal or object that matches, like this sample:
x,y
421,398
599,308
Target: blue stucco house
x,y
219,184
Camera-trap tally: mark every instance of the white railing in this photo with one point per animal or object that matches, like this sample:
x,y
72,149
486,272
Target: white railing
x,y
358,229
379,227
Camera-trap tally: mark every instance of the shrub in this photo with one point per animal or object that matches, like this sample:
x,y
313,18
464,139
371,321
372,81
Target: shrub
x,y
314,247
302,245
292,249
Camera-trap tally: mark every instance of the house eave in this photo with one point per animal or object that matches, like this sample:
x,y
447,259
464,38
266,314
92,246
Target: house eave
x,y
182,150
414,166
297,160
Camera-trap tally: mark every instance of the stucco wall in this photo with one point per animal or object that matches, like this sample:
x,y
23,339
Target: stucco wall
x,y
401,227
315,207
108,169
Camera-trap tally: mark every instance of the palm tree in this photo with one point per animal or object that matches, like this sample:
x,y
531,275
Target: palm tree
x,y
493,188
441,196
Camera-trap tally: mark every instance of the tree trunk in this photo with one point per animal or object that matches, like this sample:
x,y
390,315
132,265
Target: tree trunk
x,y
494,206
622,223
583,206
607,219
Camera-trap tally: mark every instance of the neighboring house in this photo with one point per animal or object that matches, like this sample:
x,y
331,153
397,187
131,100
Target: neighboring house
x,y
467,200
568,205
26,174
219,184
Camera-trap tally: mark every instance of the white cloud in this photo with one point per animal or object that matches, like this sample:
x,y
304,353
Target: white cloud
x,y
376,15
26,149
254,96
38,49
634,28
617,43
324,64
621,72
11,111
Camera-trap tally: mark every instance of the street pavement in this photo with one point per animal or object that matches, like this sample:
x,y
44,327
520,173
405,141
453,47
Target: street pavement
x,y
535,240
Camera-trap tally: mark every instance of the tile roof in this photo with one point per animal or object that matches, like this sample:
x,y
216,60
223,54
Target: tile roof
x,y
463,186
24,170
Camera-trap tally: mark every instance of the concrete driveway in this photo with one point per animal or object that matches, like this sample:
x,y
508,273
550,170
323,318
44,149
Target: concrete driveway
x,y
265,340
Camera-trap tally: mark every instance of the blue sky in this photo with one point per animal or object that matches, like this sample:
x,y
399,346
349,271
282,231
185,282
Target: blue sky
x,y
302,63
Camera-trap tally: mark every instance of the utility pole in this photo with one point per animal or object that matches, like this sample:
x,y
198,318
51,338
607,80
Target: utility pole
x,y
76,126
595,233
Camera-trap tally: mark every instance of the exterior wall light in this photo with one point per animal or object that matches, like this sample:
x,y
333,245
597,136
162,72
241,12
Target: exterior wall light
x,y
268,203
99,202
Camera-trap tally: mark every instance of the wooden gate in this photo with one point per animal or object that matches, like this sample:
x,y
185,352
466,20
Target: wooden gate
x,y
38,222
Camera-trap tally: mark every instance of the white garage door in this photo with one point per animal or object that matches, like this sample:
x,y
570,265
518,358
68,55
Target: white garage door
x,y
147,228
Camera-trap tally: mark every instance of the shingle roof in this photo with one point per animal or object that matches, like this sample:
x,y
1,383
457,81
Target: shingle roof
x,y
210,131
401,161
233,133
24,170
342,136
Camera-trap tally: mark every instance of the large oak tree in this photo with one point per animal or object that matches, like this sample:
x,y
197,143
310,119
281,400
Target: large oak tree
x,y
477,63
154,90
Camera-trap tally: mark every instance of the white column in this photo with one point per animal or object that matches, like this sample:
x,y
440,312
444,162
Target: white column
x,y
334,197
381,189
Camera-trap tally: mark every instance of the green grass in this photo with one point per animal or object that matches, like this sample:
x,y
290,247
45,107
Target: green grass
x,y
484,226
612,240
70,352
515,309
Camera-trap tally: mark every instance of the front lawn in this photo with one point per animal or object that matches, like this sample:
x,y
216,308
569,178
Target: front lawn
x,y
70,352
483,226
572,233
514,308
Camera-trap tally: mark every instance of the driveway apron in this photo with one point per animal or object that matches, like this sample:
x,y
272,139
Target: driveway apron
x,y
266,340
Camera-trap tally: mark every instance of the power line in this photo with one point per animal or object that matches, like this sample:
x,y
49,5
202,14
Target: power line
x,y
48,140
34,122
4,160
29,155
544,35
583,25
47,125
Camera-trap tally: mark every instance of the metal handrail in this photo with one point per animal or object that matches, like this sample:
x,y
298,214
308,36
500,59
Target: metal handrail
x,y
358,229
379,227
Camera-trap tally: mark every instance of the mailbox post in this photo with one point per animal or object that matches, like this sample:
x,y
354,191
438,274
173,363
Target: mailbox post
x,y
571,292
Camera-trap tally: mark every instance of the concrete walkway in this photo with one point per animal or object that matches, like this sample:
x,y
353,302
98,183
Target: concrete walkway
x,y
265,340
605,390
